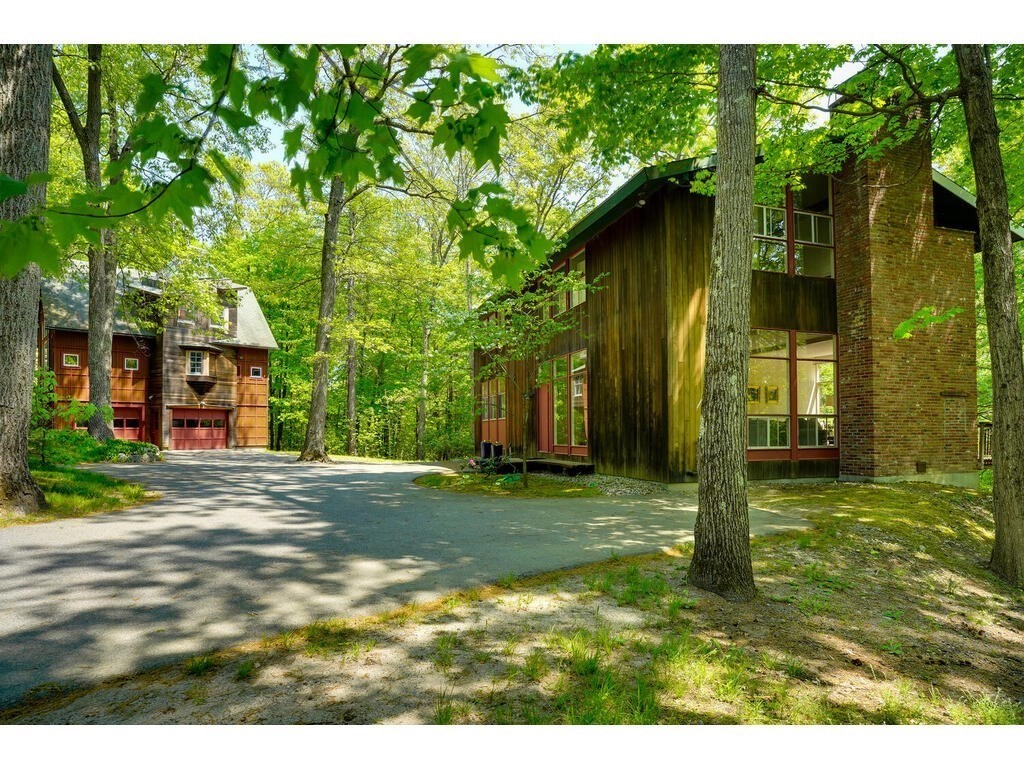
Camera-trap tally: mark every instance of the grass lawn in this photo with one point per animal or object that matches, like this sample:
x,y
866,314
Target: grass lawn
x,y
74,492
538,486
884,612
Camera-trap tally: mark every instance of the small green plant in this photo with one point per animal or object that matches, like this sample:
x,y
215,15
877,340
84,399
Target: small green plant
x,y
444,650
893,646
893,614
245,670
507,581
536,665
199,665
444,709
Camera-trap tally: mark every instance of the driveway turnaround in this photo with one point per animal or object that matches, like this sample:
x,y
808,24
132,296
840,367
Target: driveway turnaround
x,y
246,544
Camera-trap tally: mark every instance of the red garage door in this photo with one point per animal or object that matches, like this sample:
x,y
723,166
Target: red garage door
x,y
128,423
194,429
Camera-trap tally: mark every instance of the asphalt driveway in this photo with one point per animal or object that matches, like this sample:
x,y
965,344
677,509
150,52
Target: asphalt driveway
x,y
246,544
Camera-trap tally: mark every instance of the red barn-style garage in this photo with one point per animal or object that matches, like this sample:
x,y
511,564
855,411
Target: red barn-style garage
x,y
197,383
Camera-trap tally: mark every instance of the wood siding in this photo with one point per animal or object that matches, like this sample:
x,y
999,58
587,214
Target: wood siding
x,y
251,417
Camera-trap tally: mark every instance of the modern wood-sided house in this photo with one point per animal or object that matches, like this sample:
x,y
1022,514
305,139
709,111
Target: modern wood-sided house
x,y
837,265
196,383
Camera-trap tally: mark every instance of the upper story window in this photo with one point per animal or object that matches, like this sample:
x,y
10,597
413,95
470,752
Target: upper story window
x,y
131,363
70,360
577,296
196,363
255,372
796,238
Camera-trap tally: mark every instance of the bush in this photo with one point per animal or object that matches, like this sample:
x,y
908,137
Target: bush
x,y
66,446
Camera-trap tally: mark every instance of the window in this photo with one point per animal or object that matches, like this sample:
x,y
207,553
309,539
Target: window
x,y
131,423
492,399
218,423
69,360
196,363
131,363
797,238
192,423
816,390
255,372
177,423
573,298
119,424
791,373
768,390
578,264
569,404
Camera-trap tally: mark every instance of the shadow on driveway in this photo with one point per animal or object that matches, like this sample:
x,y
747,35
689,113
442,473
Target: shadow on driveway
x,y
246,544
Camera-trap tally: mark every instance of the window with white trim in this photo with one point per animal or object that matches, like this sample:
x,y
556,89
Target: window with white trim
x,y
70,360
131,363
255,372
196,363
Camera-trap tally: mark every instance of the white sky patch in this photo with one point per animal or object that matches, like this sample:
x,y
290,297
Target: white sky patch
x,y
524,21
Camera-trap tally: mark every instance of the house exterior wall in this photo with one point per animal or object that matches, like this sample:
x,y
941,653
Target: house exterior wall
x,y
908,408
161,385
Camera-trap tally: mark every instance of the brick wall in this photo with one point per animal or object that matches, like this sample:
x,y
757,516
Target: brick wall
x,y
906,407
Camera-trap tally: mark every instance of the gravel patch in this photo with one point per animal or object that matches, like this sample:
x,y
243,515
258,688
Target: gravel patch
x,y
609,485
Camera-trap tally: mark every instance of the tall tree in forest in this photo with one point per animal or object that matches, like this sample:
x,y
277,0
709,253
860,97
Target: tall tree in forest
x,y
103,251
1001,311
314,448
24,153
721,556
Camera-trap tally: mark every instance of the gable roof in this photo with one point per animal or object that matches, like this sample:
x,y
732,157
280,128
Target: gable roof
x,y
956,207
65,303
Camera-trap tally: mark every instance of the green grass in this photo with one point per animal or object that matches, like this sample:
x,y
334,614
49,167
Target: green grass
x,y
74,493
539,487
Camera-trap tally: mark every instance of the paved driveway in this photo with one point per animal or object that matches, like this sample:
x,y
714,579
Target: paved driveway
x,y
244,544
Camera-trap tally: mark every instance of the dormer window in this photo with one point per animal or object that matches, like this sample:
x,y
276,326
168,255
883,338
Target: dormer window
x,y
197,363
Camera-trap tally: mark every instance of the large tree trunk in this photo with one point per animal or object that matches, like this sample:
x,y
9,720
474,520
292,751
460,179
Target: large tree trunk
x,y
24,149
1001,308
351,370
314,449
102,257
421,403
721,558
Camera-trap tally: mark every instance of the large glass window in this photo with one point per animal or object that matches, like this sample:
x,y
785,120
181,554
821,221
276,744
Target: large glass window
x,y
768,390
569,403
816,390
797,238
578,263
778,361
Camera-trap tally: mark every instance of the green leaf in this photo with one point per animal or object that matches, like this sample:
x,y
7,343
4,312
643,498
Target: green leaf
x,y
484,67
418,60
10,187
420,111
152,93
231,176
924,317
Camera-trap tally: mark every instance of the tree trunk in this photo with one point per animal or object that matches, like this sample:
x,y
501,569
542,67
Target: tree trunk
x,y
351,369
314,448
421,404
102,258
24,149
721,558
1001,309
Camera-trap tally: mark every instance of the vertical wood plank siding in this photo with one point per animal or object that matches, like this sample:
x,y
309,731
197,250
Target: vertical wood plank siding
x,y
251,422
